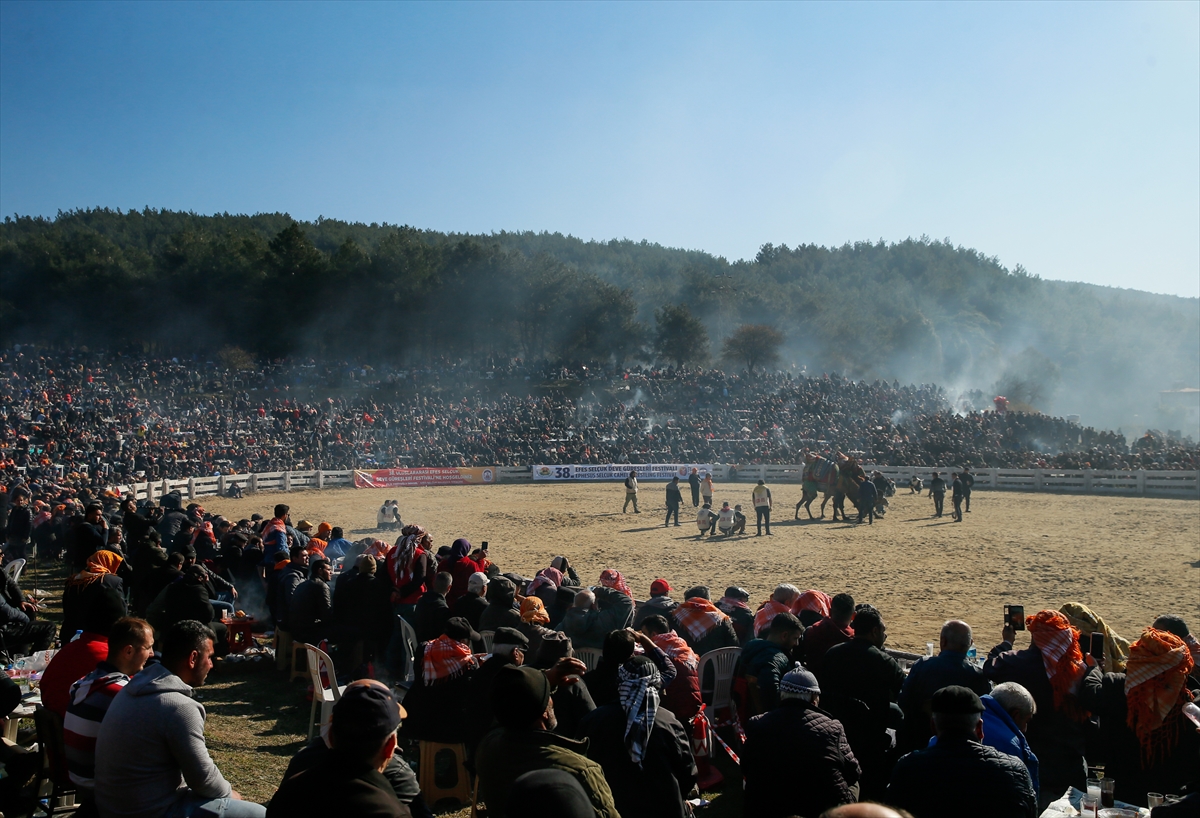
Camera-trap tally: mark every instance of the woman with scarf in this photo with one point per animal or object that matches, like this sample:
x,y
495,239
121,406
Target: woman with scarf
x,y
534,622
460,566
204,541
545,585
1146,743
95,594
644,750
1082,619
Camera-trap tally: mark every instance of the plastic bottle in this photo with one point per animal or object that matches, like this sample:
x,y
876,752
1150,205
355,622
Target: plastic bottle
x,y
1192,711
78,634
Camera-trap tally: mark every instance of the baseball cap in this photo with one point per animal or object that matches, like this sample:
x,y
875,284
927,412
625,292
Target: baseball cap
x,y
367,712
659,587
734,592
476,581
459,628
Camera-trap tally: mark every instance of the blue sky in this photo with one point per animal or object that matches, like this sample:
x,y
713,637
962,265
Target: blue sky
x,y
1064,137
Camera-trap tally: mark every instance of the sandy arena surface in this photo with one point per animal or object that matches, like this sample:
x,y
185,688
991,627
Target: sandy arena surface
x,y
1129,559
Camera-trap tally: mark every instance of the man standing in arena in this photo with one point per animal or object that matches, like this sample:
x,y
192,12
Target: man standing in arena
x,y
957,492
674,501
762,507
694,482
937,490
631,493
968,481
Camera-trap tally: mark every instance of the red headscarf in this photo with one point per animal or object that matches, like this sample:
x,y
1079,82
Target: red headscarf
x,y
1155,690
812,600
1059,645
611,578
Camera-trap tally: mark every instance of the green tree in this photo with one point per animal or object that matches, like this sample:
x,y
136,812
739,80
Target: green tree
x,y
753,344
680,336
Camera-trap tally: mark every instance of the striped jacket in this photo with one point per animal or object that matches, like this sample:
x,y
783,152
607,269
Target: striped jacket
x,y
90,698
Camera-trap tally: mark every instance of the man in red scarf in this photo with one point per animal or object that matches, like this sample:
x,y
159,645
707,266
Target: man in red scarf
x,y
705,626
1146,741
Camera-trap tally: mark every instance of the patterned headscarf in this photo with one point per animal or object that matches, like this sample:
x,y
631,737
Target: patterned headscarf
x,y
379,549
812,600
98,564
533,610
611,578
400,561
203,532
698,617
1155,689
638,683
766,612
1059,645
547,576
1116,649
676,649
446,658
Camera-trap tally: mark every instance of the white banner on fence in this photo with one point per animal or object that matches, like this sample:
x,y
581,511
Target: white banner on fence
x,y
619,471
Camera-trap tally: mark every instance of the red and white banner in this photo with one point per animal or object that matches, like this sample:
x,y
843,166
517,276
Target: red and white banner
x,y
437,476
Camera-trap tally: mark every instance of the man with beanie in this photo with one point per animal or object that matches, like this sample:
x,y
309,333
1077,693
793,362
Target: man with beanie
x,y
524,742
796,758
644,750
350,779
960,770
151,759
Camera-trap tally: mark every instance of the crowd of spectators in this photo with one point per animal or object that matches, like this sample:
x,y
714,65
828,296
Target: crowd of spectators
x,y
101,420
823,715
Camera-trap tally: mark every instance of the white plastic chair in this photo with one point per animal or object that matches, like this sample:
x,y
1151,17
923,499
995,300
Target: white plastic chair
x,y
488,638
589,656
723,661
14,569
324,695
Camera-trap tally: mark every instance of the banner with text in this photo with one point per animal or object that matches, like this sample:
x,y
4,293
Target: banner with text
x,y
448,476
619,471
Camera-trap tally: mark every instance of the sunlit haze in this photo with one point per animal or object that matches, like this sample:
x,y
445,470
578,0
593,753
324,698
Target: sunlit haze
x,y
1062,137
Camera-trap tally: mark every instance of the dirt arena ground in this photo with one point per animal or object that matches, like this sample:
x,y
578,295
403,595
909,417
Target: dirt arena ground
x,y
1129,559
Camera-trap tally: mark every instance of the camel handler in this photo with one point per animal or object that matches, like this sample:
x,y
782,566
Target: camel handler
x,y
631,493
761,495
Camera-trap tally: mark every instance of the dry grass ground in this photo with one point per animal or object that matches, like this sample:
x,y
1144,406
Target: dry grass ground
x,y
1129,559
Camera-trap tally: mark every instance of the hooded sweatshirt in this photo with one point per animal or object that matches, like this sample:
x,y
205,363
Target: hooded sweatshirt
x,y
151,746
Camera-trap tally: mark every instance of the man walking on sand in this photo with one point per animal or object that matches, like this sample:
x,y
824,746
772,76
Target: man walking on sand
x,y
762,507
674,501
694,482
631,493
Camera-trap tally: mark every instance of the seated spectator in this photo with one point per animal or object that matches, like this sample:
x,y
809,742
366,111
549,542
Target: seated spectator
x,y
765,660
811,607
1172,623
551,794
350,776
545,585
22,631
78,658
1051,669
524,742
736,605
151,760
362,610
159,578
534,620
433,609
460,566
659,604
828,632
571,702
564,599
705,626
472,604
796,759
500,613
682,696
509,649
570,578
780,602
438,697
594,615
1084,620
602,682
285,583
187,600
1145,740
939,780
643,749
1006,714
862,683
129,645
97,593
928,676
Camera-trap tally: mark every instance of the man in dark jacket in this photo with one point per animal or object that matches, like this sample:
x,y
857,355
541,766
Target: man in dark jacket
x,y
362,606
659,604
767,660
19,527
959,773
17,622
285,585
694,483
471,605
867,495
832,630
311,609
796,758
351,777
928,676
432,609
187,598
674,501
937,490
644,750
500,612
862,683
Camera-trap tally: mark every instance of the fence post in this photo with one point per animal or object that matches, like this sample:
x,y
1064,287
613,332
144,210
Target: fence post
x,y
1141,481
253,484
221,485
1038,479
191,488
287,481
320,480
1087,480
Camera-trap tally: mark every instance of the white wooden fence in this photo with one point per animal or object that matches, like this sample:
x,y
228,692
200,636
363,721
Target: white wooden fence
x,y
1181,484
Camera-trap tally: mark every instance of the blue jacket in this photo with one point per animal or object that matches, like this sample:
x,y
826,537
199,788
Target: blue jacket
x,y
1001,732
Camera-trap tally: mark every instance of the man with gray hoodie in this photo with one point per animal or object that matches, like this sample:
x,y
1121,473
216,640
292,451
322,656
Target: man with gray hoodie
x,y
151,759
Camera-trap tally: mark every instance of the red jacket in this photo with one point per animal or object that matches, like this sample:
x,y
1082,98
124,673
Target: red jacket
x,y
76,660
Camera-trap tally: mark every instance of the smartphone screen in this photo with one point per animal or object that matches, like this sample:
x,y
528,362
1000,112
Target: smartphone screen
x,y
1015,615
483,545
1097,646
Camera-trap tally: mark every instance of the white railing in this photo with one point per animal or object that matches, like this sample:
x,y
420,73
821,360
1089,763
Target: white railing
x,y
1182,484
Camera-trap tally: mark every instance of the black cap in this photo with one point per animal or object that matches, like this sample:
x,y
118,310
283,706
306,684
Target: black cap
x,y
366,712
510,636
519,695
459,628
956,699
735,592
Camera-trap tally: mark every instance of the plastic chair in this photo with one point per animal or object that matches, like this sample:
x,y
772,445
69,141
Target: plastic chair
x,y
488,637
326,691
14,569
433,790
54,762
589,656
723,662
